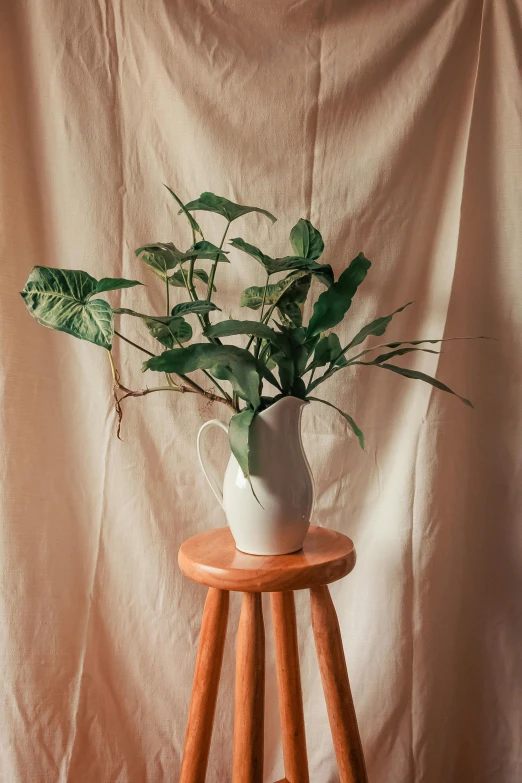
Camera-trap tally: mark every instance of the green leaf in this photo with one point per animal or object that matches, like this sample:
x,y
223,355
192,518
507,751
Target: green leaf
x,y
327,349
383,357
161,258
168,330
178,278
299,389
252,328
417,342
273,266
60,299
334,303
351,422
209,202
192,221
442,340
420,376
252,251
253,297
200,356
376,327
206,250
239,438
286,373
200,307
323,272
112,283
290,304
306,240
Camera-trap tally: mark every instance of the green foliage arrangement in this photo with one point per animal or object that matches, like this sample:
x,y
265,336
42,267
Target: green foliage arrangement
x,y
295,359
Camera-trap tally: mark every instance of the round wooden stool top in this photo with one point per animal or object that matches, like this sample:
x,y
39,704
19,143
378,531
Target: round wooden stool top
x,y
211,558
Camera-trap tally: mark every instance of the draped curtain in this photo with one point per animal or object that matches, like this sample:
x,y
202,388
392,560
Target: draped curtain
x,y
395,128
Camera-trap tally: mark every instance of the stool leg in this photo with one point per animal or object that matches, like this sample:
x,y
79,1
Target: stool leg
x,y
250,693
205,687
341,712
289,686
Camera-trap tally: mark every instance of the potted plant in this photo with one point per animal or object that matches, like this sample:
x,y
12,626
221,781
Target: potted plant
x,y
268,489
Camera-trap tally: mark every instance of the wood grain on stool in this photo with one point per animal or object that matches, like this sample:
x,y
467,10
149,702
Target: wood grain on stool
x,y
212,559
289,687
205,688
249,709
334,674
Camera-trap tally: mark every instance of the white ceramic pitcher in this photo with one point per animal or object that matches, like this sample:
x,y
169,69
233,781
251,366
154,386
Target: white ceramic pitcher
x,y
277,522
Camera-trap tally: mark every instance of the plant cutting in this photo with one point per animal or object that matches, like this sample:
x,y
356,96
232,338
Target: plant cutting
x,y
265,382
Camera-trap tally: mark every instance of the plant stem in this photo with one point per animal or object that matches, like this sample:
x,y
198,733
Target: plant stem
x,y
113,368
258,340
269,312
167,294
264,296
134,344
182,389
312,375
189,285
218,386
214,266
191,386
190,280
265,320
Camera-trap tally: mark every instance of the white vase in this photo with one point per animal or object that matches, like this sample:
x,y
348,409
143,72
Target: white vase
x,y
277,521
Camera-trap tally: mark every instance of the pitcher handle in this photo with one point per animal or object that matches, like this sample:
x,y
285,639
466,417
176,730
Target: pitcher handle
x,y
212,480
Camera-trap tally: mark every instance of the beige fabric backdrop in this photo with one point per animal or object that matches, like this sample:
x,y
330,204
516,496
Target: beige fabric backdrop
x,y
394,127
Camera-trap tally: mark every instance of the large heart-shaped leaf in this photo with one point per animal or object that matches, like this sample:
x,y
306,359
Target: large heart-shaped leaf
x,y
61,299
239,438
167,329
199,307
113,283
209,202
334,303
323,272
356,430
252,328
306,240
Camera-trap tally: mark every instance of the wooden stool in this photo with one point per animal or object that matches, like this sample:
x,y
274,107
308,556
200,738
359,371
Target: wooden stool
x,y
212,559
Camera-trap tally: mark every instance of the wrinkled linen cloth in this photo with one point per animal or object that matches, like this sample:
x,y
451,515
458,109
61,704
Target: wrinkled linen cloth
x,y
395,128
